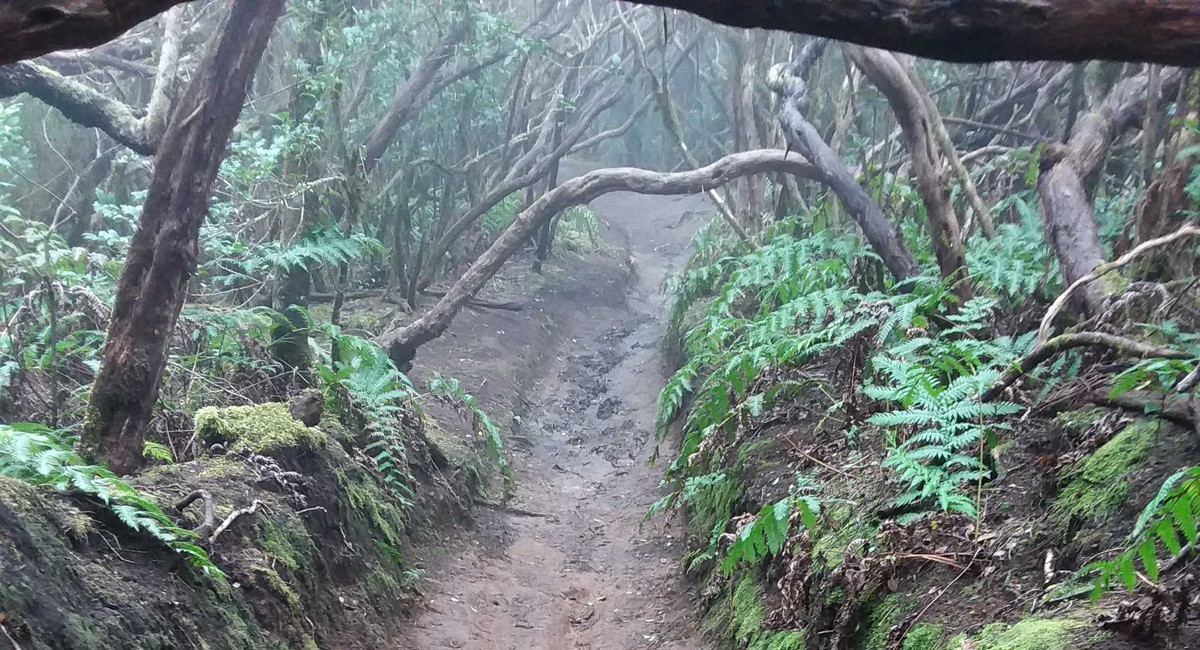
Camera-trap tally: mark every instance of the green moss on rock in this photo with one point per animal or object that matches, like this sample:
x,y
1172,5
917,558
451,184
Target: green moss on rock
x,y
739,619
1098,485
844,525
1028,634
278,586
262,428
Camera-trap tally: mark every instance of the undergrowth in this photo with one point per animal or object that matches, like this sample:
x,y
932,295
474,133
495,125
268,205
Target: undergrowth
x,y
41,456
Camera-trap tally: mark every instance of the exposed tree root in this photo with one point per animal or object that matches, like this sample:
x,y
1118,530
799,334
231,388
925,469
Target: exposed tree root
x,y
234,516
206,525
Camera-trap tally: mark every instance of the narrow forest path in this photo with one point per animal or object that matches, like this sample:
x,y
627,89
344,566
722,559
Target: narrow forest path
x,y
568,567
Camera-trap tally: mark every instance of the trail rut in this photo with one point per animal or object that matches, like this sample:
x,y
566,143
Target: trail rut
x,y
568,566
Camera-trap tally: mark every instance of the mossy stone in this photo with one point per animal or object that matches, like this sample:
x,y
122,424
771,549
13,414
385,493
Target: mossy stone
x,y
262,428
1098,485
924,636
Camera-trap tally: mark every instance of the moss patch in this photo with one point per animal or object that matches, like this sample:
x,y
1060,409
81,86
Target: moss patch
x,y
287,541
844,526
278,586
924,636
1098,485
880,620
1029,634
739,618
262,428
372,507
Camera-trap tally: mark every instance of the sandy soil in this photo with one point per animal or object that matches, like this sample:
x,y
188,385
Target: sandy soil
x,y
569,565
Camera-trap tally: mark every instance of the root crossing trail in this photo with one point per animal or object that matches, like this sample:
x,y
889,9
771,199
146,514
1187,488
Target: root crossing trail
x,y
566,567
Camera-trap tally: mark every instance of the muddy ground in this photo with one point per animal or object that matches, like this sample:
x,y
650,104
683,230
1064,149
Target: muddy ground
x,y
568,564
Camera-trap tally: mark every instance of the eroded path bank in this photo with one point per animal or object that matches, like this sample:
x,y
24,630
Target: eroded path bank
x,y
568,566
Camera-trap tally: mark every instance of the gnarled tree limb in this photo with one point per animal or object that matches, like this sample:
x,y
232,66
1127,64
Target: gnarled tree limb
x,y
402,344
919,123
1067,209
1105,269
77,102
787,81
975,31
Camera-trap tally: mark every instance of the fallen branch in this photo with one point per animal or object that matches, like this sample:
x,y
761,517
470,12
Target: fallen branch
x,y
508,305
1044,351
1180,409
232,518
1105,269
206,525
30,28
15,645
383,294
976,31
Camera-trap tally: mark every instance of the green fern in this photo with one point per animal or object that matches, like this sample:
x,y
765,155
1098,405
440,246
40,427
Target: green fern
x,y
38,455
323,245
1171,519
1016,264
767,533
450,390
385,396
933,386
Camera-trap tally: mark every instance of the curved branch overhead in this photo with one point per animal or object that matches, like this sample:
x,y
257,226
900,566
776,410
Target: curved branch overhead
x,y
30,28
976,31
402,344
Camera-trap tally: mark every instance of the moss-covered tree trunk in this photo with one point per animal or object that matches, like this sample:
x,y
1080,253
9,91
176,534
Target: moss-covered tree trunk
x,y
164,250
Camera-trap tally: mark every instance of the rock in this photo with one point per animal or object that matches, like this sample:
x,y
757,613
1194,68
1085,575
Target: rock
x,y
307,407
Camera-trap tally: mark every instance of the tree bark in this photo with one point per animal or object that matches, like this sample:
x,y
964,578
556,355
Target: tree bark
x,y
918,124
402,344
159,109
976,31
30,28
1066,207
163,252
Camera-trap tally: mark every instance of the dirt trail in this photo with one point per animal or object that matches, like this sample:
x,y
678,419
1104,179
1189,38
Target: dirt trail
x,y
572,569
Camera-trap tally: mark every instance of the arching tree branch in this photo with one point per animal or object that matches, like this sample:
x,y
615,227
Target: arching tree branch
x,y
402,344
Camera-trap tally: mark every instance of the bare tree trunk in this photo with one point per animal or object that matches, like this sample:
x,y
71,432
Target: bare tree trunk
x,y
918,125
402,344
163,253
1066,207
787,81
159,109
411,96
1161,31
